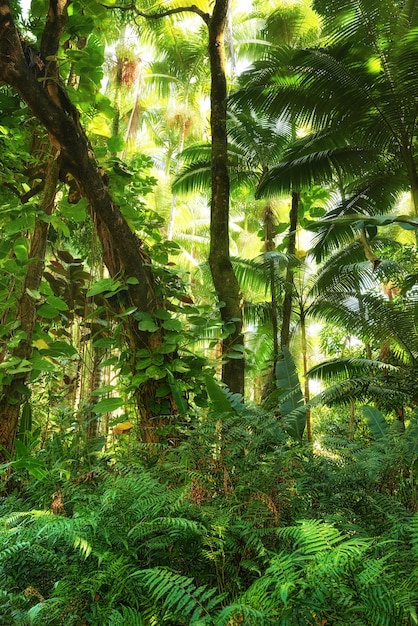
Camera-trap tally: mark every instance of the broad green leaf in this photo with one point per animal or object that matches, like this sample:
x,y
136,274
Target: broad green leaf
x,y
59,348
138,379
155,372
148,326
179,366
48,312
219,400
100,125
43,365
167,347
31,465
162,391
173,324
58,224
20,449
14,366
33,293
5,249
162,314
142,364
376,422
105,342
76,212
102,390
21,249
291,397
107,405
177,394
103,285
115,144
57,303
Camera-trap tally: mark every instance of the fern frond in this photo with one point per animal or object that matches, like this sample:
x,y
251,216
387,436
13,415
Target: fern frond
x,y
241,614
172,527
414,537
124,616
311,536
177,594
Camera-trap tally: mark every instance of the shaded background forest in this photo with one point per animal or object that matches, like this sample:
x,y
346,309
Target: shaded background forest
x,y
208,333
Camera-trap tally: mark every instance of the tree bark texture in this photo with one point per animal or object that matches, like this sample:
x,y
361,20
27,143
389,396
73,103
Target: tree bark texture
x,y
291,250
269,223
223,276
14,392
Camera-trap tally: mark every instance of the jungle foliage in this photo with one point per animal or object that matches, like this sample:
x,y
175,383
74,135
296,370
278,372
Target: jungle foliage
x,y
208,313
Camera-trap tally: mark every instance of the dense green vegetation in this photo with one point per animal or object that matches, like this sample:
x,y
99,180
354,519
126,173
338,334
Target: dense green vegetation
x,y
208,313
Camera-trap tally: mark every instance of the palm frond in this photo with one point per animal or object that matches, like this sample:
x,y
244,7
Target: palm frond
x,y
343,368
195,177
313,169
346,271
257,274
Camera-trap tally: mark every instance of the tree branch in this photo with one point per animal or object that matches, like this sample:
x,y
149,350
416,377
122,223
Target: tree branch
x,y
156,16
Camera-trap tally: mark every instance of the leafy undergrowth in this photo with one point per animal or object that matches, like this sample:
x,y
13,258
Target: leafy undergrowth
x,y
236,525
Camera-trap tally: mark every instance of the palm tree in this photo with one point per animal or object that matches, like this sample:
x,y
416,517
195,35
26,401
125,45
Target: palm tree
x,y
357,94
178,79
348,292
389,379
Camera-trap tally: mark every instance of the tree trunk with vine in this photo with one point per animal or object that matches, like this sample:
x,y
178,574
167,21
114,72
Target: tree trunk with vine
x,y
123,253
224,279
14,393
291,250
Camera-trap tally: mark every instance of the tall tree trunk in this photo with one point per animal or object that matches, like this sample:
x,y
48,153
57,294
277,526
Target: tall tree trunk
x,y
224,279
269,223
123,253
14,393
306,392
291,249
95,380
408,156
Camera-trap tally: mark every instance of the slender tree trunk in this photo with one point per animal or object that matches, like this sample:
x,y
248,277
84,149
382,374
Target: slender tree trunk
x,y
269,224
291,249
224,279
95,380
409,160
117,98
306,394
118,89
134,117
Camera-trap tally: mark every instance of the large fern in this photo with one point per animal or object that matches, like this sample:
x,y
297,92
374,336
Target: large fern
x,y
324,575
